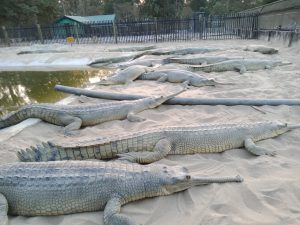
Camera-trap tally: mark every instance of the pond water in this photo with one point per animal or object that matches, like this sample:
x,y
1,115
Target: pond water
x,y
21,88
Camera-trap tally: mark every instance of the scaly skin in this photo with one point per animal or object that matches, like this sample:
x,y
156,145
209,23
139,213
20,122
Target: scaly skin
x,y
73,117
152,145
141,62
106,61
125,76
179,76
198,60
261,49
131,49
178,51
240,65
57,188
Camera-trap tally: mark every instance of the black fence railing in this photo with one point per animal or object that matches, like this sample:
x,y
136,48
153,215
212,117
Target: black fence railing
x,y
201,26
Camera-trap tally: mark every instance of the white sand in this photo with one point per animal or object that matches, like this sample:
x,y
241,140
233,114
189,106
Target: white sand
x,y
270,193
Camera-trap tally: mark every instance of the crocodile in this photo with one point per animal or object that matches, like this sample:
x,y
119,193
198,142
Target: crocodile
x,y
154,144
41,51
179,51
179,76
125,76
262,49
142,62
131,49
59,188
198,60
73,117
109,60
240,65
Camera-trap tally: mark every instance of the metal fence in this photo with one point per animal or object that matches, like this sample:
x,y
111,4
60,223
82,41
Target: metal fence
x,y
200,26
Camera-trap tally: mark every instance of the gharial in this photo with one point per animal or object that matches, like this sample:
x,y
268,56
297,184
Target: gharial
x,y
150,62
138,72
152,145
125,76
197,60
180,76
74,116
179,51
261,48
57,188
240,65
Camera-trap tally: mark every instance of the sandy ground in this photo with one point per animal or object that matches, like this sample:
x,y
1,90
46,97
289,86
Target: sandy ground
x,y
270,193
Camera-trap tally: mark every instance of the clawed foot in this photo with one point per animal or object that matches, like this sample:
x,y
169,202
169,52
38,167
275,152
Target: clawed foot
x,y
134,118
186,85
130,157
271,153
140,119
70,133
83,99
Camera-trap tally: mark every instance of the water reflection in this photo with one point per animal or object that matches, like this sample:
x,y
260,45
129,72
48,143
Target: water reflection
x,y
20,88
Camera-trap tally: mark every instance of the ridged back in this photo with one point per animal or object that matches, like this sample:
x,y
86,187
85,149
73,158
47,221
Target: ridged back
x,y
150,76
184,140
56,188
50,112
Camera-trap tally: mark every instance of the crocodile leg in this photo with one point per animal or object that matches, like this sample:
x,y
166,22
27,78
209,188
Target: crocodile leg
x,y
132,117
256,150
3,210
71,123
242,69
163,78
128,82
268,67
112,214
161,149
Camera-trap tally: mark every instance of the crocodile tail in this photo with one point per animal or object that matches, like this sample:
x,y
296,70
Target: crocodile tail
x,y
15,117
2,124
11,119
169,60
41,153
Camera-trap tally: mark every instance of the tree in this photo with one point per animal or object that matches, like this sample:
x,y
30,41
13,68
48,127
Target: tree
x,y
198,5
82,7
227,6
268,1
162,8
25,12
108,7
48,11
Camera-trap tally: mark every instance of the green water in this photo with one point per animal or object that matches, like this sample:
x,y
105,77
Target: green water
x,y
21,88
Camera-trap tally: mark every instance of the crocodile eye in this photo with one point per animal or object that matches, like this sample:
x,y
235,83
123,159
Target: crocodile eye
x,y
188,177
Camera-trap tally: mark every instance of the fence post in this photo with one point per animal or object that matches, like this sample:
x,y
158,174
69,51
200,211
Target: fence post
x,y
115,30
269,36
38,27
6,38
76,33
156,28
291,38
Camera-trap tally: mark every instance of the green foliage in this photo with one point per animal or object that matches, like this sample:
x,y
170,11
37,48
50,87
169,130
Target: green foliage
x,y
198,5
47,11
20,12
82,7
162,8
228,6
28,12
108,7
268,1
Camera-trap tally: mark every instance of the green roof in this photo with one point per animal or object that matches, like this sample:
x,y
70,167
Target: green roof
x,y
90,19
